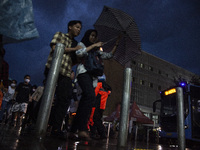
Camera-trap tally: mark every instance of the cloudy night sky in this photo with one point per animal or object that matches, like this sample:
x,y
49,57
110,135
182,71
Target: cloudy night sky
x,y
169,29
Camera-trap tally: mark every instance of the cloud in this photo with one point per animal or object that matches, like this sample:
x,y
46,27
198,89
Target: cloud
x,y
168,29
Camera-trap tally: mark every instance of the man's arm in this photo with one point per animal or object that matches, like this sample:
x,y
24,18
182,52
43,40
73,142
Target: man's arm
x,y
71,49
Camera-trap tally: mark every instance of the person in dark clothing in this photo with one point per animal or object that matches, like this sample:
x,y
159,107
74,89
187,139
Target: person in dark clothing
x,y
27,119
22,96
64,82
4,71
85,81
102,91
73,102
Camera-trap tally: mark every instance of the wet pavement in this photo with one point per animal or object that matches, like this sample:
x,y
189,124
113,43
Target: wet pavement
x,y
12,138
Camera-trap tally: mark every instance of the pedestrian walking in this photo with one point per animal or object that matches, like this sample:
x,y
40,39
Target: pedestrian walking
x,y
85,80
22,96
102,91
7,100
64,82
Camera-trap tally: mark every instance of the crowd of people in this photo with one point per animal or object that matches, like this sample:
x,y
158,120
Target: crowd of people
x,y
19,102
23,100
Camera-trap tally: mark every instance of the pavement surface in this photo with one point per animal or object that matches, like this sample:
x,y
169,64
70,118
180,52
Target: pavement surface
x,y
14,138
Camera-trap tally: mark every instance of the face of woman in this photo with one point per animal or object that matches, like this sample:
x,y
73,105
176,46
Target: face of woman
x,y
93,37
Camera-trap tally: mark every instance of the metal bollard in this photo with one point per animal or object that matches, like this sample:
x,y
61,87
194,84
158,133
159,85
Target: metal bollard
x,y
180,119
49,90
124,113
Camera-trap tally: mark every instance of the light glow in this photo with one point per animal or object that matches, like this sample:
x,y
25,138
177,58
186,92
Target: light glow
x,y
171,91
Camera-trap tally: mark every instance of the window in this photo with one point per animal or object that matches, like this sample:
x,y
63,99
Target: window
x,y
150,68
159,71
141,65
155,118
133,62
151,85
141,82
147,114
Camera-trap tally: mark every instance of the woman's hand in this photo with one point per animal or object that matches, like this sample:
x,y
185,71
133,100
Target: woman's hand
x,y
118,39
98,44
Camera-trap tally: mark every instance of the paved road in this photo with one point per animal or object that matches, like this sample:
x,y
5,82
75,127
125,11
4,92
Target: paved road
x,y
15,139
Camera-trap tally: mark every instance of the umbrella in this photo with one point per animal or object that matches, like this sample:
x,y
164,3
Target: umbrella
x,y
16,21
113,22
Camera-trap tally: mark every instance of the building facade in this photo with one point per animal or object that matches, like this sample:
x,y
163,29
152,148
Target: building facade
x,y
150,75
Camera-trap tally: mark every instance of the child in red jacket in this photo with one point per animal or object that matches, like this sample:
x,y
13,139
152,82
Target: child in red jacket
x,y
102,91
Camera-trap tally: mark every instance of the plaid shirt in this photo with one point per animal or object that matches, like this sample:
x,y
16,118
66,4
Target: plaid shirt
x,y
4,73
66,63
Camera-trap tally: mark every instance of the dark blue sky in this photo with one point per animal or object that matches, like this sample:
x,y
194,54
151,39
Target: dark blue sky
x,y
169,29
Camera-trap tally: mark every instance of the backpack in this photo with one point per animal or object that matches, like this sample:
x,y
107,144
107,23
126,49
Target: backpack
x,y
94,64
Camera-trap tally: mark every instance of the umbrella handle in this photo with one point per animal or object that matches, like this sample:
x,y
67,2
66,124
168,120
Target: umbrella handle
x,y
113,39
104,43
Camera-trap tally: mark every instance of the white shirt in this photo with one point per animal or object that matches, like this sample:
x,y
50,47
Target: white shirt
x,y
82,53
9,95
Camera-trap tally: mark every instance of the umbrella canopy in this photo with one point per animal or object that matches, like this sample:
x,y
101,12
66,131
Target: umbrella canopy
x,y
16,21
113,22
139,116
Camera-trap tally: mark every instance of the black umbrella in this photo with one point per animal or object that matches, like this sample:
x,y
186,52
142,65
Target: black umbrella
x,y
113,22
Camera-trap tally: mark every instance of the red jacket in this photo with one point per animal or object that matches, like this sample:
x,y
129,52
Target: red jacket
x,y
104,94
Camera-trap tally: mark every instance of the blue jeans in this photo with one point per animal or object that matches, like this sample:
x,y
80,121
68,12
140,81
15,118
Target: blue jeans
x,y
4,105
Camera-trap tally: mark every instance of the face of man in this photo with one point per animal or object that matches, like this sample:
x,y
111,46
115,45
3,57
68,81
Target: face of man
x,y
27,80
13,84
75,30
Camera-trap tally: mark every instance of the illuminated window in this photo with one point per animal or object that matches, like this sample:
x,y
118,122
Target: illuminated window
x,y
155,118
141,82
141,65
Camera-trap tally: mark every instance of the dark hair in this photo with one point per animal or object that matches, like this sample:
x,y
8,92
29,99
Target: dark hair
x,y
85,40
2,52
73,22
26,76
14,81
34,86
